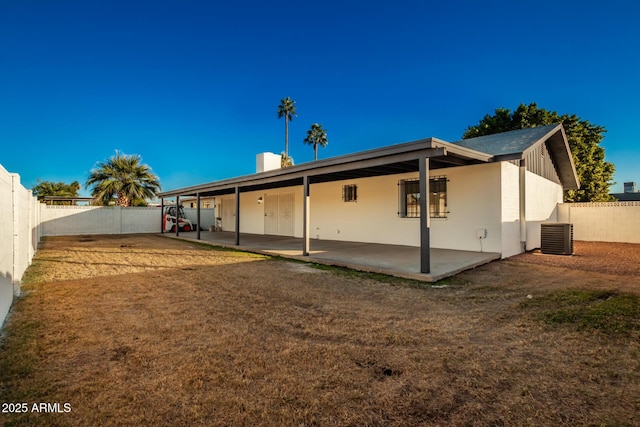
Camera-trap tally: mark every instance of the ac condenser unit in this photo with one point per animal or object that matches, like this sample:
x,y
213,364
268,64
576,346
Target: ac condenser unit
x,y
556,238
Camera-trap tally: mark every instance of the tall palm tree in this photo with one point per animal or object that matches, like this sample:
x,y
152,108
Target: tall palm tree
x,y
287,109
124,177
316,136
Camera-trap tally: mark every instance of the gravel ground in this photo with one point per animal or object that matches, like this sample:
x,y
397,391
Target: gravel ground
x,y
621,259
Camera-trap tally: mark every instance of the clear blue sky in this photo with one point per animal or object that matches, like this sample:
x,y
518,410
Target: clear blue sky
x,y
193,86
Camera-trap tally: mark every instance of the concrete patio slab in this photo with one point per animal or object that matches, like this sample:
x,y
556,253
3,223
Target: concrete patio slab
x,y
394,260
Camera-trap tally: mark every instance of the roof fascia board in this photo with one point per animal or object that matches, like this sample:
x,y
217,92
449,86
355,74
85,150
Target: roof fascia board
x,y
430,147
379,161
294,171
463,151
563,147
288,174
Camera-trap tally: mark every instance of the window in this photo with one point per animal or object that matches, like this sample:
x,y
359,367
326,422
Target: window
x,y
349,193
438,197
410,198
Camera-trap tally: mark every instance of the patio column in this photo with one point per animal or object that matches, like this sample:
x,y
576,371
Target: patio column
x,y
305,216
162,215
237,216
177,215
425,218
198,215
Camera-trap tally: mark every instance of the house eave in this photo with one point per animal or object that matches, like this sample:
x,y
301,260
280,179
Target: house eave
x,y
397,158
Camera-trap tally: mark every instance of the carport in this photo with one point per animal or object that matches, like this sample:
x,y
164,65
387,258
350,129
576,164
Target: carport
x,y
419,156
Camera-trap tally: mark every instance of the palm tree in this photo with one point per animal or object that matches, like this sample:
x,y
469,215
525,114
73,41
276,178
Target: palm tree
x,y
316,136
287,109
285,161
124,177
60,189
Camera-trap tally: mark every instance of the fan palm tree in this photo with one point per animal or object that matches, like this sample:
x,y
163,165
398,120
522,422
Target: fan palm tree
x,y
124,177
60,189
316,136
287,109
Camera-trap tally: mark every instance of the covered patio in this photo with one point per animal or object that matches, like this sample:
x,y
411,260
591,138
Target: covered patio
x,y
394,260
418,156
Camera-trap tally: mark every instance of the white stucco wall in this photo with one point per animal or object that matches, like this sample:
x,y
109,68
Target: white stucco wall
x,y
479,197
252,213
473,200
510,206
474,203
372,218
542,198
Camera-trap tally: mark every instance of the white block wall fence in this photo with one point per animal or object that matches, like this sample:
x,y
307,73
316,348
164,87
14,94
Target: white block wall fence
x,y
19,236
603,222
80,220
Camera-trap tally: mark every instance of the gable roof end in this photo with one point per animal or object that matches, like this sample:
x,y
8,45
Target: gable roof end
x,y
515,145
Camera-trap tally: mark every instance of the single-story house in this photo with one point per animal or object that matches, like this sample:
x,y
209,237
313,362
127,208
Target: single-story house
x,y
488,194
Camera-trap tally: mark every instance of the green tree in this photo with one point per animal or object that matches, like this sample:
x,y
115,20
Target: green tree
x,y
287,109
316,136
124,177
59,189
584,139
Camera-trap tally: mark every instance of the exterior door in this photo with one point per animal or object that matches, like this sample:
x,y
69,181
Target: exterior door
x,y
279,214
228,213
271,214
286,214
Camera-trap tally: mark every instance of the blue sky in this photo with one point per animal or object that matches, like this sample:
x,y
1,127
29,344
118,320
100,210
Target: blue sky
x,y
193,86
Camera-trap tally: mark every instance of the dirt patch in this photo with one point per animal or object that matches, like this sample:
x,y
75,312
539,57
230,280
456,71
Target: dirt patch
x,y
617,259
145,330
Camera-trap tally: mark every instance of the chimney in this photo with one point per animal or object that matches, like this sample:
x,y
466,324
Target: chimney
x,y
267,161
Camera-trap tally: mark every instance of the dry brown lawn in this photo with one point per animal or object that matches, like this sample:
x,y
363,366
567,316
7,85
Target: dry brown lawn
x,y
151,331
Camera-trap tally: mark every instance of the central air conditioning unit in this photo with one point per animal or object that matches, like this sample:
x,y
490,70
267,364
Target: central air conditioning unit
x,y
556,238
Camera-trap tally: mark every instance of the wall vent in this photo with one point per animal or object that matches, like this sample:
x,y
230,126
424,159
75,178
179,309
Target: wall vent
x,y
556,238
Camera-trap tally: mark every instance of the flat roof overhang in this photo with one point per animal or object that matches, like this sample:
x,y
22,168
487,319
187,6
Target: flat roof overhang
x,y
395,159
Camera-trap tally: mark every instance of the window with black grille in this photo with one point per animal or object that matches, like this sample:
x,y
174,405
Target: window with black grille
x,y
410,198
438,197
349,193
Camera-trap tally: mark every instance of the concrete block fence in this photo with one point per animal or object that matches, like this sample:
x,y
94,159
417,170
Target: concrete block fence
x,y
603,222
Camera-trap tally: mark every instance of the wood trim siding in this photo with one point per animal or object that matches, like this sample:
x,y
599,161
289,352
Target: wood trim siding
x,y
538,160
